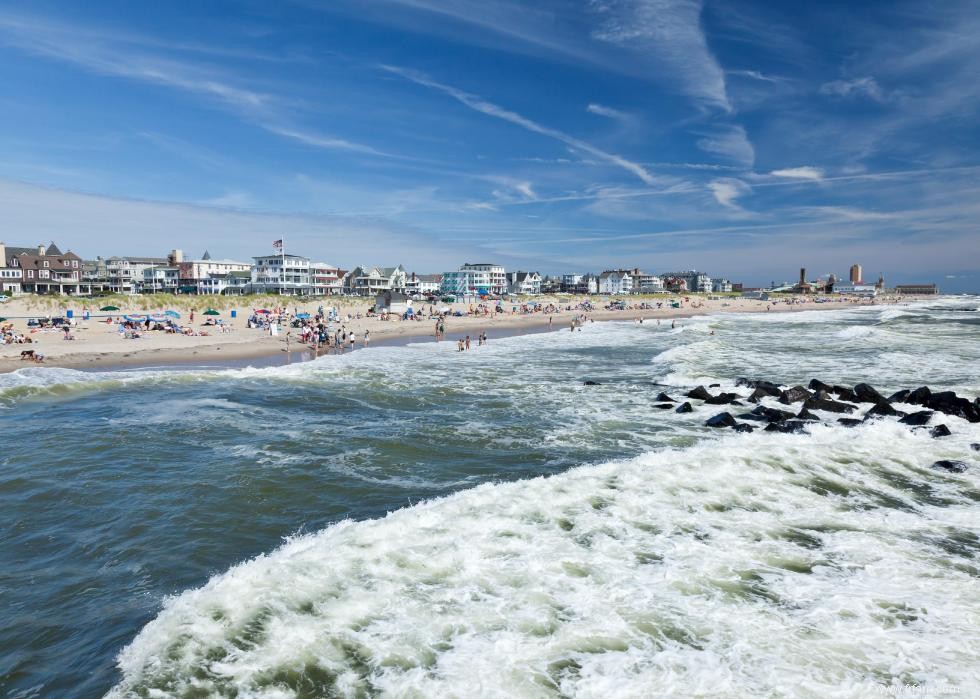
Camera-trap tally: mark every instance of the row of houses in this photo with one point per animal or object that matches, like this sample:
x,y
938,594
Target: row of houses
x,y
46,269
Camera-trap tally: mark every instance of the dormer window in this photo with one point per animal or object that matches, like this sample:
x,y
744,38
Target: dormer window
x,y
47,264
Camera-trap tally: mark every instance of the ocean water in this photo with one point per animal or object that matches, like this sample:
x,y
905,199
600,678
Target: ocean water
x,y
413,521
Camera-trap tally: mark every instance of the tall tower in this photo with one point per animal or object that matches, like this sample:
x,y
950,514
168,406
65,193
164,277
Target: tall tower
x,y
855,274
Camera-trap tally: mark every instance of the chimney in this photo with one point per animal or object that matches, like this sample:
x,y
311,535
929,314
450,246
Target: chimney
x,y
41,250
3,254
802,276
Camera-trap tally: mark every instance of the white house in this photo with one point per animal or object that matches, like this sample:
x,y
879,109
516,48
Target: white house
x,y
281,274
721,286
616,281
423,283
524,283
480,278
193,271
162,279
369,281
325,278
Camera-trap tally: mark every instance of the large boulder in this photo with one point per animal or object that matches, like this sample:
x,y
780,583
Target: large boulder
x,y
723,399
794,395
742,427
762,413
831,406
664,406
951,404
939,430
664,398
919,396
950,465
818,385
721,420
790,426
848,421
845,393
881,409
919,417
899,396
684,408
805,414
866,393
699,393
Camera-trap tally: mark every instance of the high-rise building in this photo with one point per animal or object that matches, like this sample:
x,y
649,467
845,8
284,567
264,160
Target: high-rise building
x,y
855,274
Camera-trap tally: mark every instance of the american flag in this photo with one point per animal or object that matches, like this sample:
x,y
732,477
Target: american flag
x,y
277,244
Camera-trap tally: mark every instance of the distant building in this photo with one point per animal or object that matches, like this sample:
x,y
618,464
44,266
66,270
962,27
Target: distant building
x,y
370,281
160,280
281,274
615,281
326,279
41,270
194,272
803,286
124,275
646,283
524,283
423,283
856,274
861,289
917,289
695,281
480,278
722,286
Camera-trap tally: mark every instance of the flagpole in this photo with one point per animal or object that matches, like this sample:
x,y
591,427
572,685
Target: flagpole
x,y
282,250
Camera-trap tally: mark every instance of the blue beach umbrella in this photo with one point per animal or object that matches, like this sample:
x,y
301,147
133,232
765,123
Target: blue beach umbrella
x,y
172,314
302,316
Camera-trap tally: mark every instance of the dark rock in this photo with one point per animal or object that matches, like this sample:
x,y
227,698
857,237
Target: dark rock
x,y
951,404
757,395
805,414
794,395
684,408
831,406
975,446
771,414
919,417
714,385
664,398
700,393
664,406
939,430
764,388
722,399
919,396
848,421
821,395
721,420
818,385
881,409
866,393
742,427
790,426
592,383
844,393
899,396
950,465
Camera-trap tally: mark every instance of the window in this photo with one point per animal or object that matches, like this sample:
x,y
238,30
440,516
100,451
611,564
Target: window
x,y
46,263
30,274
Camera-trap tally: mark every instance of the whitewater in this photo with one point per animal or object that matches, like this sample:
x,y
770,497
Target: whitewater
x,y
487,525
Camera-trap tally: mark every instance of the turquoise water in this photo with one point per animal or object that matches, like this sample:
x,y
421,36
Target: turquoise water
x,y
134,504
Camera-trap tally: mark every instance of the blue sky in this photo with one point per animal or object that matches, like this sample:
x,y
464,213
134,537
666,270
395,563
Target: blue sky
x,y
745,139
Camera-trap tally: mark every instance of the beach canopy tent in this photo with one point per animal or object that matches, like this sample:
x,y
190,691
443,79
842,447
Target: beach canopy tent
x,y
172,314
302,316
109,308
135,318
212,312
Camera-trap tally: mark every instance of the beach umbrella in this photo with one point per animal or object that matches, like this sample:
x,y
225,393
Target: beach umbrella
x,y
109,308
158,317
212,312
3,320
135,318
172,314
302,316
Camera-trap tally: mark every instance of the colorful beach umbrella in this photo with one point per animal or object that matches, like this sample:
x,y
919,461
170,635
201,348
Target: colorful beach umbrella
x,y
212,312
172,314
109,308
302,316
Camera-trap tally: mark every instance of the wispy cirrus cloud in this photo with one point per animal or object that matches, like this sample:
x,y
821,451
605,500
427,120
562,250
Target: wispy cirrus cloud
x,y
727,190
605,111
729,142
479,104
805,172
859,87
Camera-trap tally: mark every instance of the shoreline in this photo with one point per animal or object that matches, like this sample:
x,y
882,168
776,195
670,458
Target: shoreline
x,y
253,348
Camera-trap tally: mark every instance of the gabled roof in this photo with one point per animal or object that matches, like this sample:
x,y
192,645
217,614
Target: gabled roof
x,y
53,249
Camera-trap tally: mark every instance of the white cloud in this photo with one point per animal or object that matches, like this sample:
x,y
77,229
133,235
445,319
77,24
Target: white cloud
x,y
866,87
669,31
727,190
755,75
478,104
605,111
732,143
805,172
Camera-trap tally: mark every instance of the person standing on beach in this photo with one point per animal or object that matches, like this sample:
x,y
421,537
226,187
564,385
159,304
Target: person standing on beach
x,y
351,339
367,337
467,342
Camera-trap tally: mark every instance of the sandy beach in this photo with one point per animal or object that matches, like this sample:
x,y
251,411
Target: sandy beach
x,y
98,344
